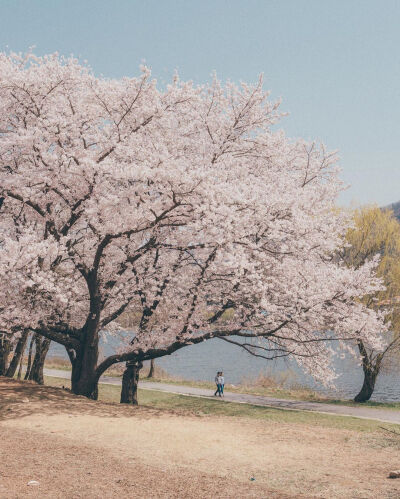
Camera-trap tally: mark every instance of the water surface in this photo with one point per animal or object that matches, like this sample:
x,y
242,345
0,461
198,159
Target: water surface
x,y
201,362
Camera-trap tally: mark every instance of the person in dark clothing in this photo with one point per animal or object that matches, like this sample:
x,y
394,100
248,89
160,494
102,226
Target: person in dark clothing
x,y
218,390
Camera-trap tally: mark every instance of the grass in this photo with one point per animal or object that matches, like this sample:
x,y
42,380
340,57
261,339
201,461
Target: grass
x,y
284,386
198,406
290,453
370,403
300,393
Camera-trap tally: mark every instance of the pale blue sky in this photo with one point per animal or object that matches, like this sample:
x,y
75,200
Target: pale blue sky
x,y
335,63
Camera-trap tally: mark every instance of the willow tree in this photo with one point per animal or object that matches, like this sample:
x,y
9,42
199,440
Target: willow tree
x,y
181,203
377,231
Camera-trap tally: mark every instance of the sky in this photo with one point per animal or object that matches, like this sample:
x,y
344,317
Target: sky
x,y
334,63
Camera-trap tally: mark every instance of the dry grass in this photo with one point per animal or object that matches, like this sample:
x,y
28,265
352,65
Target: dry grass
x,y
285,384
199,406
80,448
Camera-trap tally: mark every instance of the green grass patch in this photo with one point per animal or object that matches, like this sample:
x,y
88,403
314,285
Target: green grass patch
x,y
262,386
277,392
199,406
266,386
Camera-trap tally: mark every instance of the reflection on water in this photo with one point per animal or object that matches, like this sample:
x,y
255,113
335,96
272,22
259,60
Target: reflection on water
x,y
201,362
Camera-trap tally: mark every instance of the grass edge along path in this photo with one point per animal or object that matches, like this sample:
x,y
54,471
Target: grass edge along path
x,y
248,387
171,400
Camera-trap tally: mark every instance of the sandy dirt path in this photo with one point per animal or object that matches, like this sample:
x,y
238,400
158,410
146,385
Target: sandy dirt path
x,y
78,448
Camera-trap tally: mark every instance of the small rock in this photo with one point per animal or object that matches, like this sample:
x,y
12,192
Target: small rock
x,y
394,474
33,482
25,400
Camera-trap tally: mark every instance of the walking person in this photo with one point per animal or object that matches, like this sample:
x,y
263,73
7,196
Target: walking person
x,y
218,390
221,380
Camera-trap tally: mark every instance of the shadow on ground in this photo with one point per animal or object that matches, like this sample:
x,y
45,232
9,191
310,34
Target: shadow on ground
x,y
19,399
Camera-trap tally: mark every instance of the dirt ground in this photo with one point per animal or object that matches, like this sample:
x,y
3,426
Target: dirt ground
x,y
76,448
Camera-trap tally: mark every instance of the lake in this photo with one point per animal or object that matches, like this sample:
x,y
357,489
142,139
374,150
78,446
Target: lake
x,y
202,361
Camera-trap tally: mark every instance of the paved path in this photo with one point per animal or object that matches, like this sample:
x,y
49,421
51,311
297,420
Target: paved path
x,y
384,415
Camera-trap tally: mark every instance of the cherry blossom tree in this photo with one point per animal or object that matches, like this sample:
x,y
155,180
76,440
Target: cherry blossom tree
x,y
186,205
18,260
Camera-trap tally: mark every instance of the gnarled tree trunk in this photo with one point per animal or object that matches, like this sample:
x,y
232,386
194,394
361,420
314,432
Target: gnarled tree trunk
x,y
5,349
29,363
151,371
130,380
42,346
368,386
19,375
18,355
84,362
83,378
371,367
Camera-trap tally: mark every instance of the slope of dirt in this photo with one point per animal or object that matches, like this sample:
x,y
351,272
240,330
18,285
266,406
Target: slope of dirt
x,y
76,448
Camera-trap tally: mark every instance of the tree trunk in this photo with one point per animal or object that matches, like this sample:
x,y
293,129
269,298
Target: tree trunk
x,y
84,380
18,355
130,380
151,372
20,368
5,349
371,366
368,386
28,366
42,346
84,362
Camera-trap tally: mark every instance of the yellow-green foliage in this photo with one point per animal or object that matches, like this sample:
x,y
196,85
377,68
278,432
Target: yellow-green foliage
x,y
378,231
